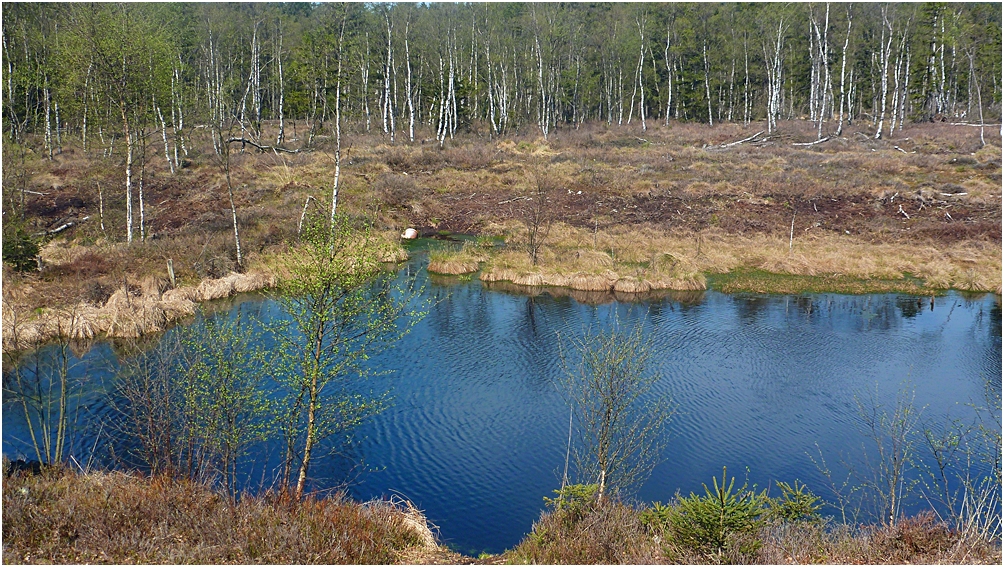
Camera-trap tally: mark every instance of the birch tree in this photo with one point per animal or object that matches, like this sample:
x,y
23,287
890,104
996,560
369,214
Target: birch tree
x,y
885,50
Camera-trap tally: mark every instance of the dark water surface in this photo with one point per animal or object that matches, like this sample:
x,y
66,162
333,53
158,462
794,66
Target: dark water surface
x,y
476,432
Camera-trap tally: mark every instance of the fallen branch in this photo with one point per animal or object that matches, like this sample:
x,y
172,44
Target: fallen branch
x,y
901,149
904,212
819,141
35,192
953,194
968,124
744,140
261,147
62,227
514,199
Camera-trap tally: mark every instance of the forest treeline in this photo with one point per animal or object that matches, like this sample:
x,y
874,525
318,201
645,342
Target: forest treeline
x,y
108,72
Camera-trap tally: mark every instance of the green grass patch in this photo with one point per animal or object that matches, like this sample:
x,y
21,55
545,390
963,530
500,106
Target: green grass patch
x,y
760,281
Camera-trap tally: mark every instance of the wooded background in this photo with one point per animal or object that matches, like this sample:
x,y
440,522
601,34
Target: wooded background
x,y
107,72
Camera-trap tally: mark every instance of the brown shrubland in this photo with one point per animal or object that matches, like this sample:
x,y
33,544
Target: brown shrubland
x,y
663,209
59,516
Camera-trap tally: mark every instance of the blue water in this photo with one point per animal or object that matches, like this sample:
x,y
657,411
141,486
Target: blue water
x,y
476,432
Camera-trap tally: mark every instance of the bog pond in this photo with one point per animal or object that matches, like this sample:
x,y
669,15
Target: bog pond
x,y
476,431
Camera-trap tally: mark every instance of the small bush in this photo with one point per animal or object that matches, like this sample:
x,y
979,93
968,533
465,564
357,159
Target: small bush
x,y
86,265
97,293
576,498
595,533
396,190
712,522
796,504
915,536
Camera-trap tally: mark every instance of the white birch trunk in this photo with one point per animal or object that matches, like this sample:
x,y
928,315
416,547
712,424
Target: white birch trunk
x,y
843,66
59,140
408,93
669,79
746,82
641,82
620,94
83,130
904,97
48,119
163,132
142,179
338,129
282,94
886,51
386,102
366,82
707,82
128,171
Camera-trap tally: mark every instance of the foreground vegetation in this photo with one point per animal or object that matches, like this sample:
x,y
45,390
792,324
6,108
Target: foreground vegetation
x,y
766,532
60,516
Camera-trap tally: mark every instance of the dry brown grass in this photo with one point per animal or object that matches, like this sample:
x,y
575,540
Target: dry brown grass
x,y
916,540
631,259
456,260
129,312
62,517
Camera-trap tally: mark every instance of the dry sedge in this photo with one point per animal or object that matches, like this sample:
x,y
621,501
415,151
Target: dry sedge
x,y
639,259
125,314
455,261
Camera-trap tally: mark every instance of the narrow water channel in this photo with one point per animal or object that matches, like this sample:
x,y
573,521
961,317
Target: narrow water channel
x,y
476,432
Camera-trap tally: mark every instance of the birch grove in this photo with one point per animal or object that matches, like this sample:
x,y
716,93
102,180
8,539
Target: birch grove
x,y
103,73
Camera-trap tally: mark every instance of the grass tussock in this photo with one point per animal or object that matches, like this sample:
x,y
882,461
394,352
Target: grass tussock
x,y
62,517
456,260
639,260
128,312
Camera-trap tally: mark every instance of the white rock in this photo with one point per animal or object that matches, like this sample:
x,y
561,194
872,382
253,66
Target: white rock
x,y
410,234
